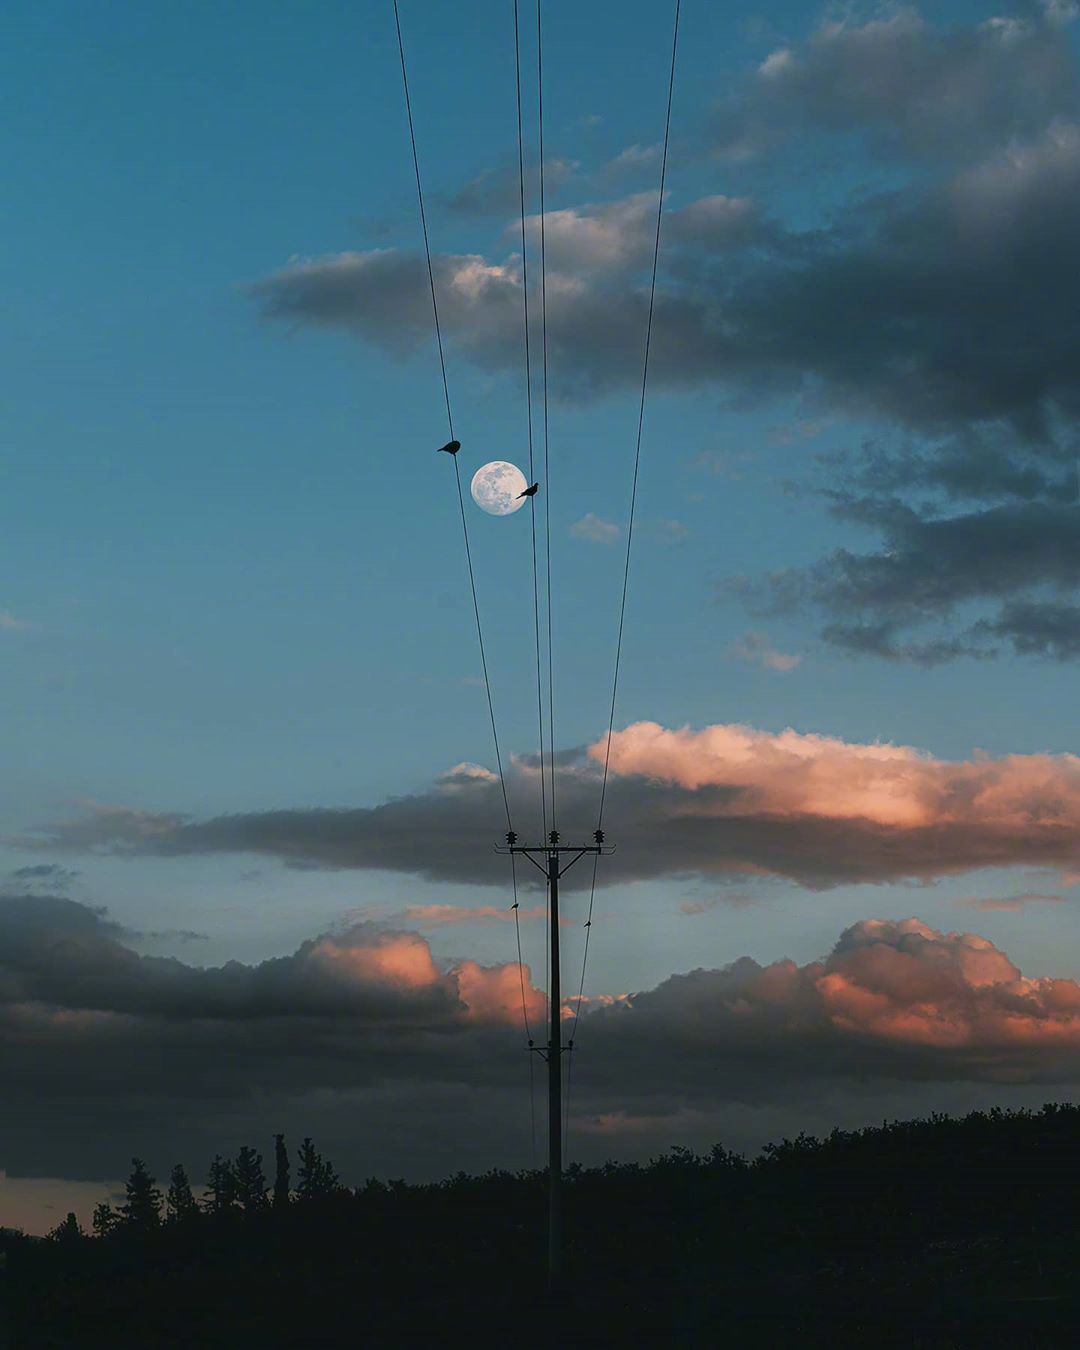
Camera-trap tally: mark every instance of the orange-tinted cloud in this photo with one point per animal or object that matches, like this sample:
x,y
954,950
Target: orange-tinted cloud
x,y
792,774
1011,903
400,959
724,800
428,916
910,999
493,994
369,1029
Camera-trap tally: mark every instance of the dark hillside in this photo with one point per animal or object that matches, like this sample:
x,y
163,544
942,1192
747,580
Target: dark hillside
x,y
931,1232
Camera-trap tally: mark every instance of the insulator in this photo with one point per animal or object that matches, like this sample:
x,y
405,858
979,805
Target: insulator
x,y
598,835
553,837
511,837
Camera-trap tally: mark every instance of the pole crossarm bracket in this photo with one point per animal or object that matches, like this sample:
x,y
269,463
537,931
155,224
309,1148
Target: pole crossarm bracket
x,y
553,851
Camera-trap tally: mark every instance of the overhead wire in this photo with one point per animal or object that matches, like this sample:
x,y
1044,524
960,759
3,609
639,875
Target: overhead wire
x,y
529,411
449,414
525,1017
629,543
547,471
547,460
469,561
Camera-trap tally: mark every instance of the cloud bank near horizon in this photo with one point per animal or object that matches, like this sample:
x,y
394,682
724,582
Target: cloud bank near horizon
x,y
723,802
101,1040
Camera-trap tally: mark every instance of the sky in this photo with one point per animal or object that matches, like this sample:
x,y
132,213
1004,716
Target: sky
x,y
250,799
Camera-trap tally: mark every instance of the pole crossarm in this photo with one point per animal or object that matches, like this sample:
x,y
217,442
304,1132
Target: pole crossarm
x,y
552,851
549,851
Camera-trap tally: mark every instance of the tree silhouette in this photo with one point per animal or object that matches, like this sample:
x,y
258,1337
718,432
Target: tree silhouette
x,y
249,1180
220,1186
281,1172
105,1219
316,1176
180,1204
67,1230
142,1208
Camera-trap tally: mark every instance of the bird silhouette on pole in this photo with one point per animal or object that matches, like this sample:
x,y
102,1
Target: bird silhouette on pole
x,y
450,448
529,491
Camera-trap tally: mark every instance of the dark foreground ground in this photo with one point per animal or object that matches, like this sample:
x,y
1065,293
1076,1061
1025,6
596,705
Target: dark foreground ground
x,y
928,1233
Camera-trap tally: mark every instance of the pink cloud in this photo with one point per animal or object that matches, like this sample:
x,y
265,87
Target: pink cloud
x,y
404,962
492,994
1012,903
895,985
794,774
428,916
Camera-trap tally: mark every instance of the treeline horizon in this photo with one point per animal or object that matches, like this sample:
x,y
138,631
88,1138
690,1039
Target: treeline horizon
x,y
967,1221
240,1185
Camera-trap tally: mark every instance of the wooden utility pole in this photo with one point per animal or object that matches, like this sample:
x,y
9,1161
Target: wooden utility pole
x,y
553,868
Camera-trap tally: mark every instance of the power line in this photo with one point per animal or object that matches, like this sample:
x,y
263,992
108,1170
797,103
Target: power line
x,y
547,463
449,414
629,531
641,409
529,408
423,220
525,1017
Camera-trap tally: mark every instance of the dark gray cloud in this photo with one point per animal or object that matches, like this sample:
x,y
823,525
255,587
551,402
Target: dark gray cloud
x,y
939,308
51,876
61,954
908,85
497,192
943,310
726,827
92,1073
930,568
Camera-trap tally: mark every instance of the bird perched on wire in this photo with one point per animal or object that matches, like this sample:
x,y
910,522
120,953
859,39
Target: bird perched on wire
x,y
529,491
450,448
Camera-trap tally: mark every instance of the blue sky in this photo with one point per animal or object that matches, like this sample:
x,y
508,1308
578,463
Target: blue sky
x,y
231,573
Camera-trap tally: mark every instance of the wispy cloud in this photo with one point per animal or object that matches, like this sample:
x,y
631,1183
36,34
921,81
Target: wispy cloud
x,y
720,463
1011,903
757,650
434,916
595,529
673,531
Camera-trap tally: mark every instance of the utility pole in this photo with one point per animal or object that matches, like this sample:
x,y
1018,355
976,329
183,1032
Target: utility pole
x,y
553,868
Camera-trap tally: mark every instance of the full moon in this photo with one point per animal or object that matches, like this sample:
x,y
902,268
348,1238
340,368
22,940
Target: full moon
x,y
496,486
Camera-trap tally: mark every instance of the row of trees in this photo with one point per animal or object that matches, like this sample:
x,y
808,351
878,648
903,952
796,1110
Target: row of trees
x,y
234,1185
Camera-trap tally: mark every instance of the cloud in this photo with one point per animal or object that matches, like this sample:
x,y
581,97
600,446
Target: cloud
x,y
1012,903
497,192
725,801
620,235
9,623
591,527
52,876
759,310
756,649
59,954
597,299
430,916
718,463
363,1038
892,995
931,566
907,86
673,531
942,310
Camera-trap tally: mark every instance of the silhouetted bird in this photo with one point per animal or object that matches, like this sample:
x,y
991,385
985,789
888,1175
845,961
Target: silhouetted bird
x,y
529,492
451,448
